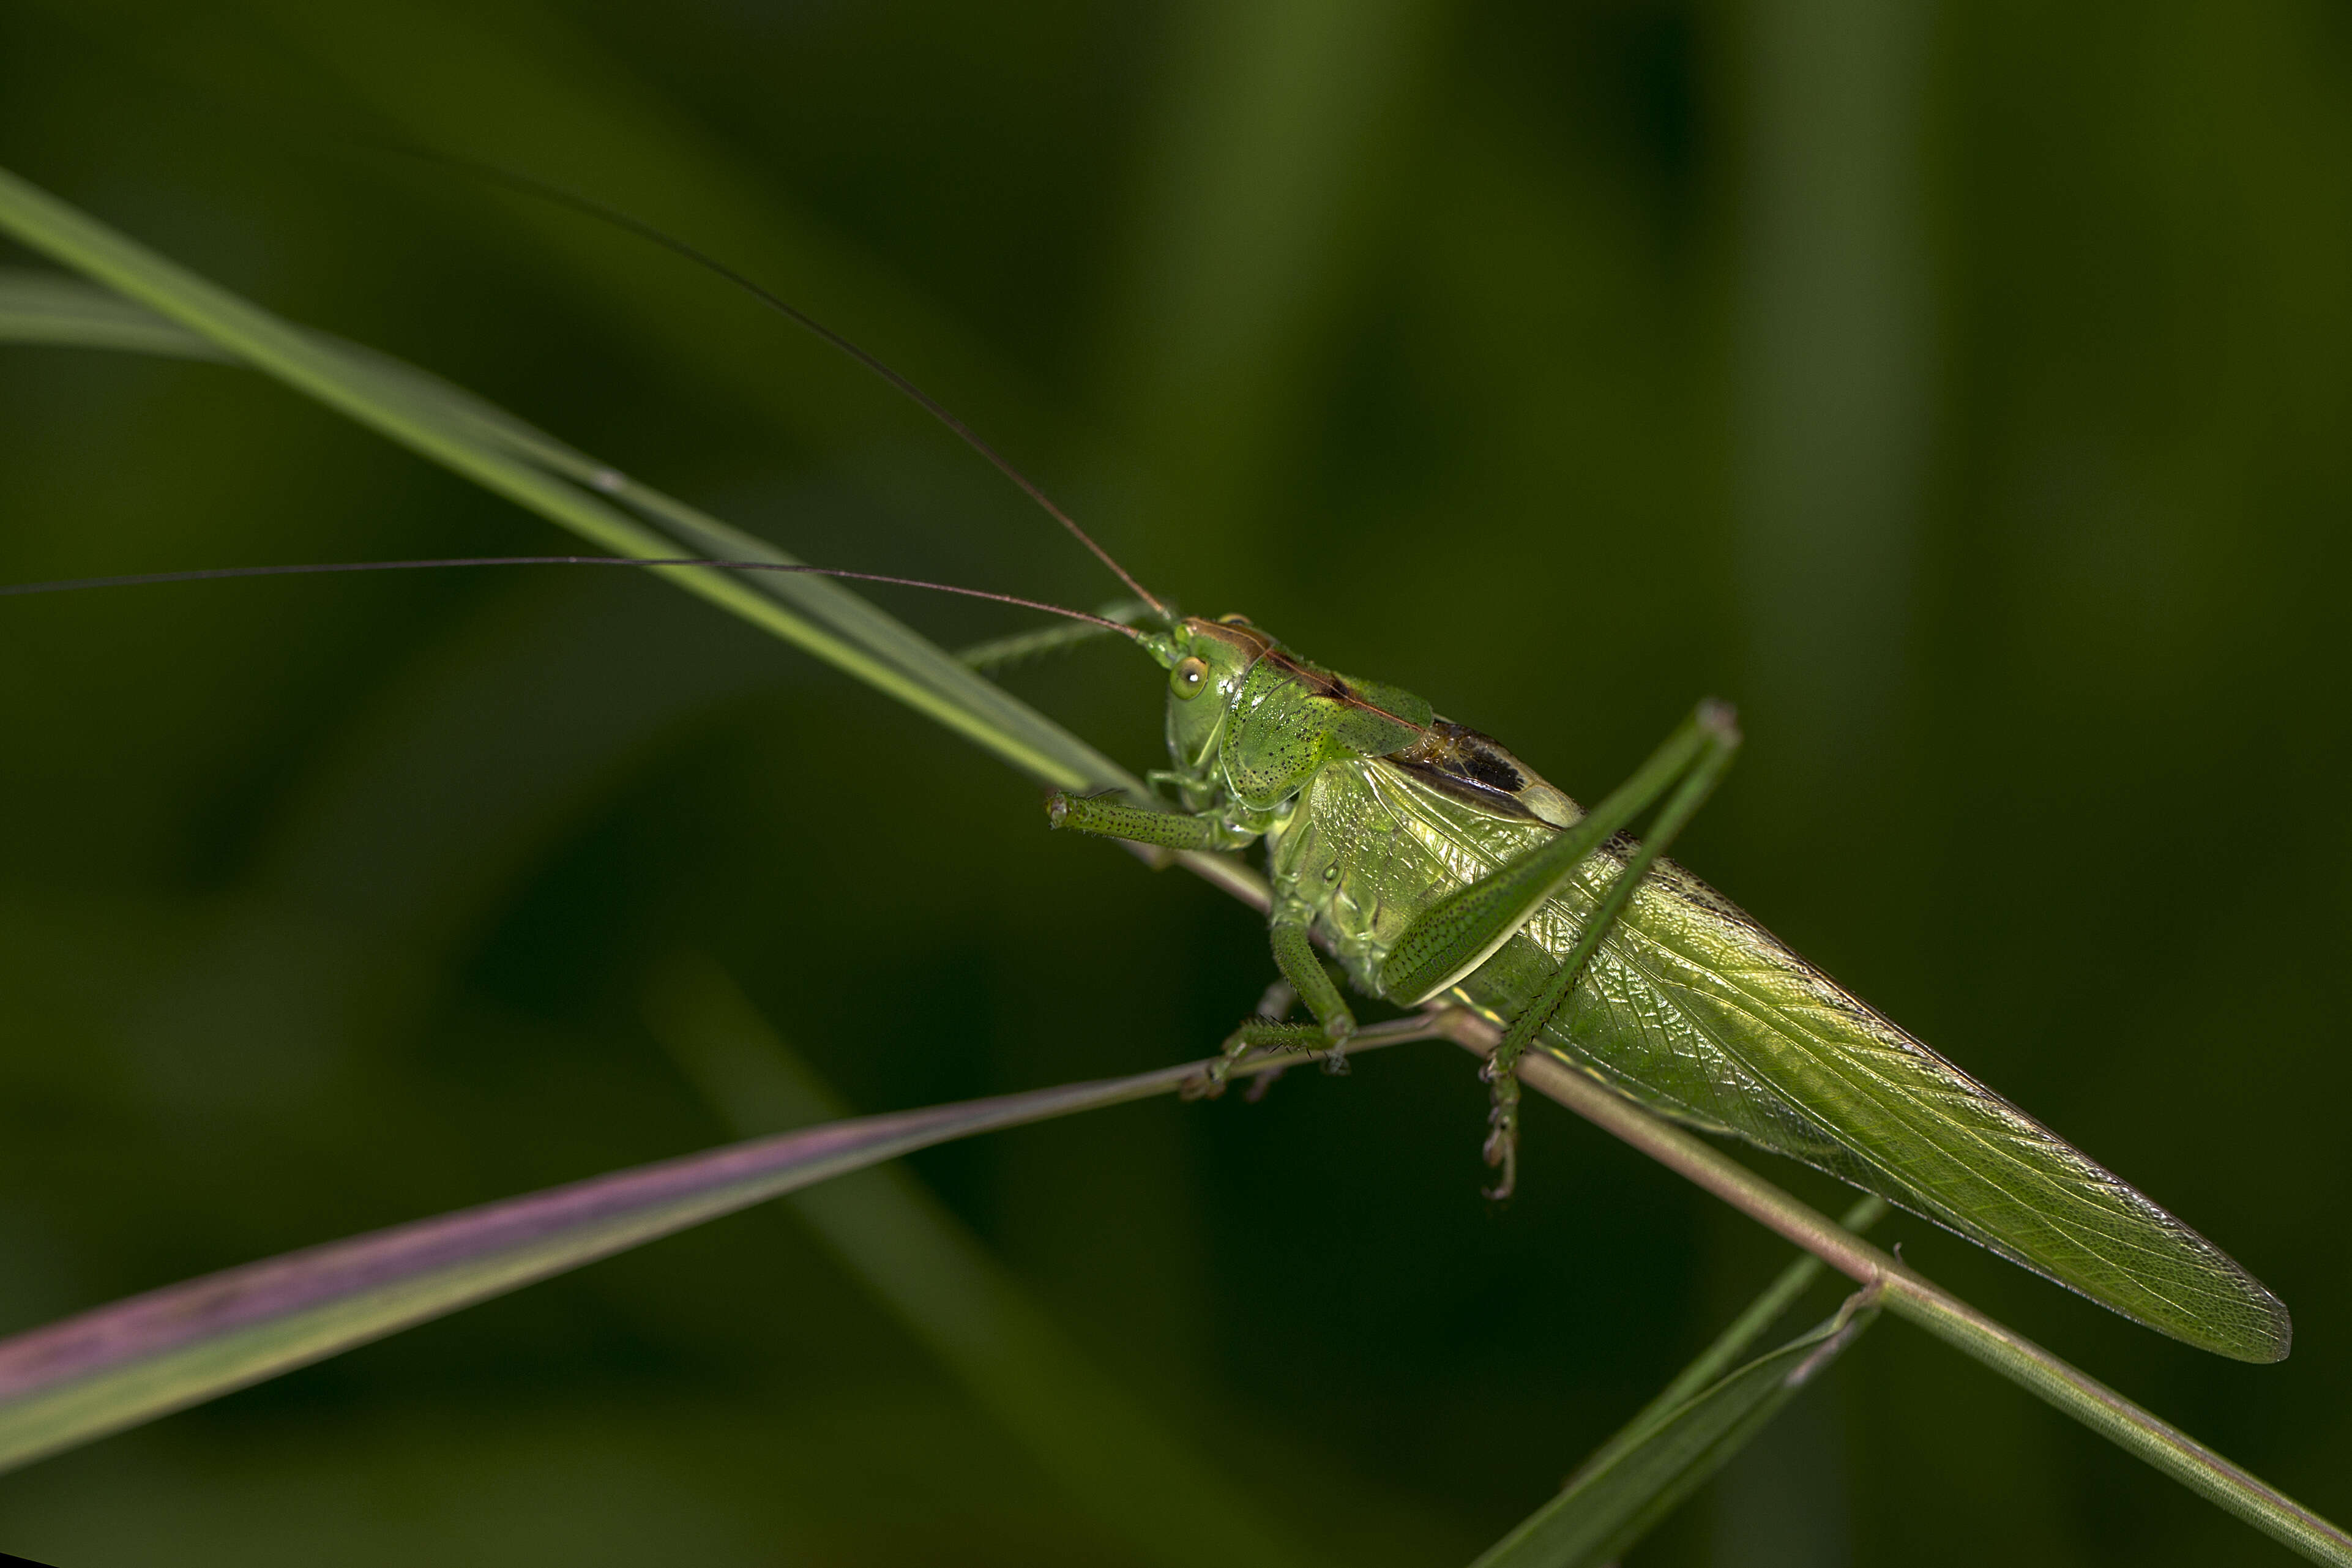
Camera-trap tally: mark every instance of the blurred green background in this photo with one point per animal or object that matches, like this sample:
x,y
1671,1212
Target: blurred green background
x,y
1963,391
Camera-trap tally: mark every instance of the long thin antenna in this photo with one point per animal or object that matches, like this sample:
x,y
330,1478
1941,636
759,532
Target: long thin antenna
x,y
215,574
531,186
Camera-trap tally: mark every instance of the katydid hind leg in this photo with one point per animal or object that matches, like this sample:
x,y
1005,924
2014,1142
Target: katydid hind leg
x,y
1686,789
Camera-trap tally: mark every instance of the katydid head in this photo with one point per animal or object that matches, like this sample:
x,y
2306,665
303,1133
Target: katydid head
x,y
1206,661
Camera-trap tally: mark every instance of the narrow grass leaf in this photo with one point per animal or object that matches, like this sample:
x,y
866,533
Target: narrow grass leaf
x,y
51,307
1136,1478
1666,1454
1735,1341
506,456
138,1359
1020,647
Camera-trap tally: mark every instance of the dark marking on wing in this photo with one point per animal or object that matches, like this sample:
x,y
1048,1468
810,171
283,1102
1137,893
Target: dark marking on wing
x,y
1460,753
1470,767
1467,790
1489,766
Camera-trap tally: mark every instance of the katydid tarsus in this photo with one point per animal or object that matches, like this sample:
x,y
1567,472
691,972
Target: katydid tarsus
x,y
1433,864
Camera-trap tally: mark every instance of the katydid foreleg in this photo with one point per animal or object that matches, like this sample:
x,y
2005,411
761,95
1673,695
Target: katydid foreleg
x,y
1458,933
1107,818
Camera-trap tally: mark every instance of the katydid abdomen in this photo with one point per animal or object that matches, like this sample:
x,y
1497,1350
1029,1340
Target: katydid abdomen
x,y
1694,1009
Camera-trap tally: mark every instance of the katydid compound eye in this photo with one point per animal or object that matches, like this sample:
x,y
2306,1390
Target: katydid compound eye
x,y
1189,676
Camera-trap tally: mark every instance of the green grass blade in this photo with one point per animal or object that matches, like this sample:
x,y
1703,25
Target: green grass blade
x,y
51,307
122,1364
1639,1478
696,533
1603,1499
504,455
1138,1478
1003,653
1735,1341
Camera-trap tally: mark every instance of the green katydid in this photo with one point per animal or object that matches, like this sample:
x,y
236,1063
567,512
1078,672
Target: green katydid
x,y
1433,862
